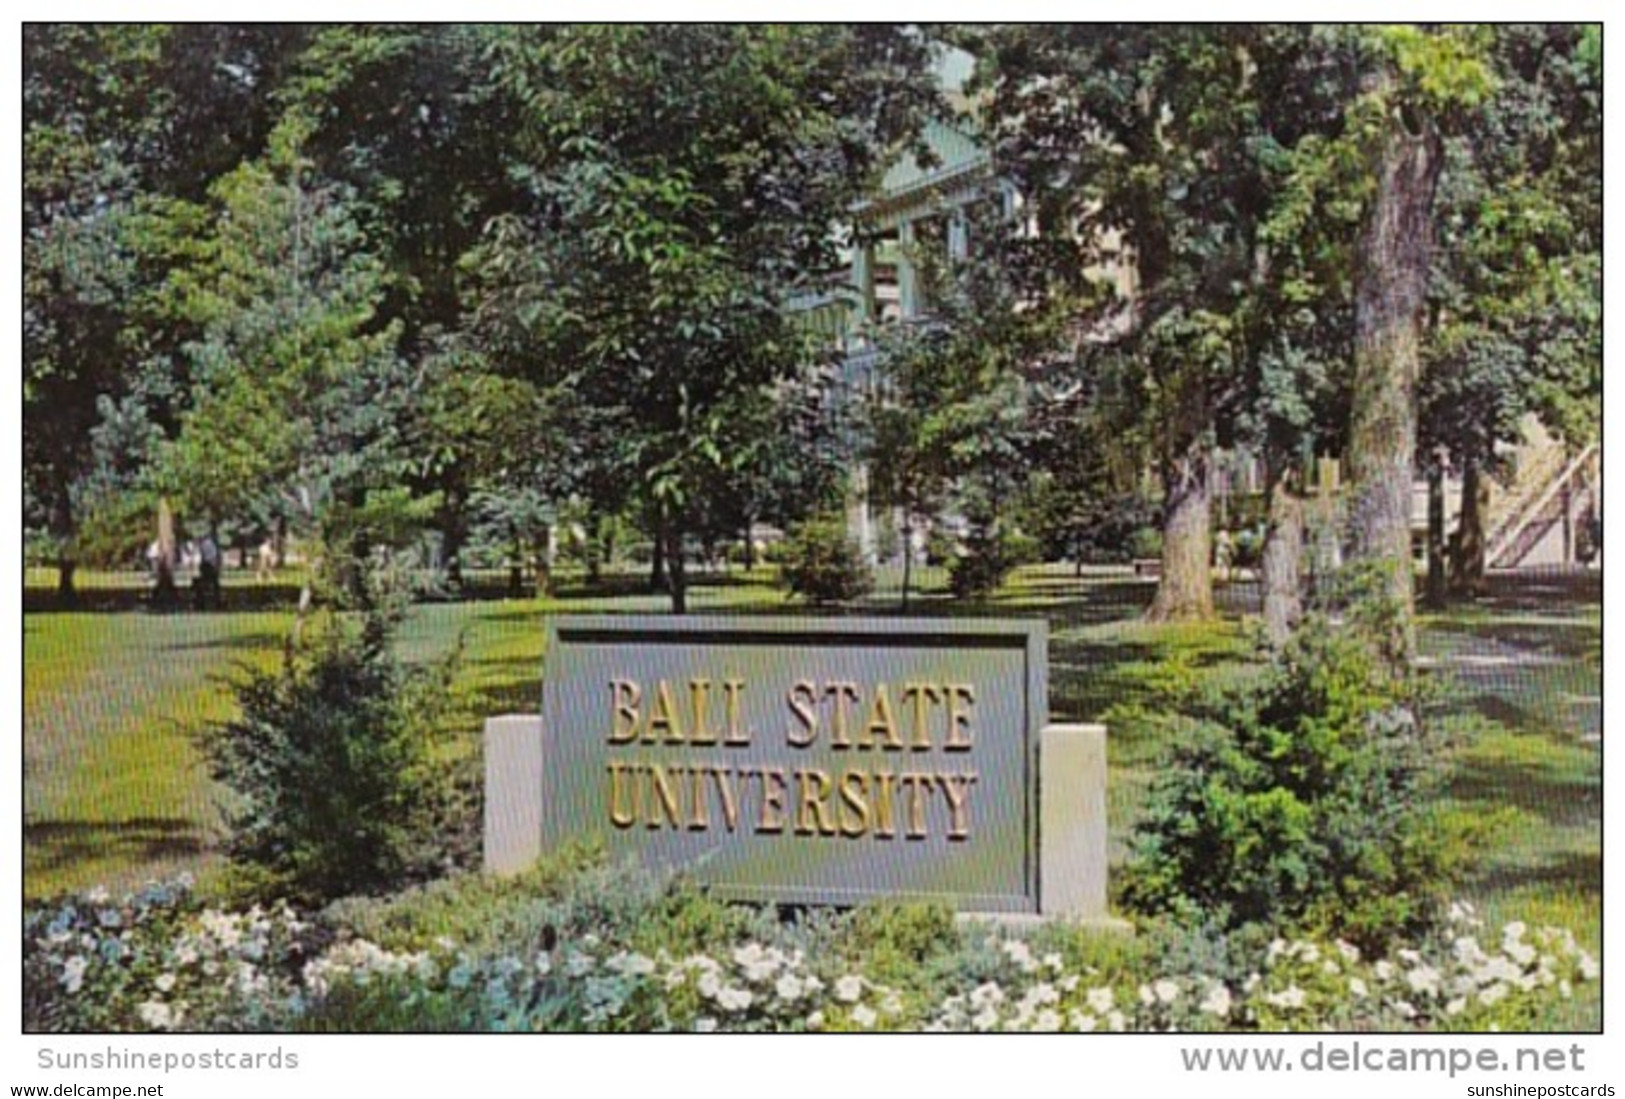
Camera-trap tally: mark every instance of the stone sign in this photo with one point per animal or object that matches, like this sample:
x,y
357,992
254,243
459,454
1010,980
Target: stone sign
x,y
809,761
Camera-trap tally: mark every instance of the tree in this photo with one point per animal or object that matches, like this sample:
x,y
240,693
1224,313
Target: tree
x,y
1515,296
124,125
1136,149
1414,84
297,389
681,181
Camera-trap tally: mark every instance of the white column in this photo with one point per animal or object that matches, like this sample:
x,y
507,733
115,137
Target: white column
x,y
863,280
958,236
908,282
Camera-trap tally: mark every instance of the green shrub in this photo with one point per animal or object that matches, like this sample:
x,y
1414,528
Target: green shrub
x,y
331,763
1304,798
1146,542
822,564
986,558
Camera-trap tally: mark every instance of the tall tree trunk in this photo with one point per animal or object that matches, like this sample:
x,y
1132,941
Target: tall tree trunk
x,y
1470,547
677,567
1394,250
1281,566
1185,591
1436,568
908,553
453,537
279,542
164,595
67,595
658,580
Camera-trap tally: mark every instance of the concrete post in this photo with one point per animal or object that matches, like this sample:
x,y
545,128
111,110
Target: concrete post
x,y
513,792
1072,822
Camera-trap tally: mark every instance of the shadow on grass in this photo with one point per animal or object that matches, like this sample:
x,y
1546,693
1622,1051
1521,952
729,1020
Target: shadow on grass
x,y
125,600
1561,800
1568,872
54,845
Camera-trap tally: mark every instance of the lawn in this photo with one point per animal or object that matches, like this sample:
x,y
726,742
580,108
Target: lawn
x,y
114,792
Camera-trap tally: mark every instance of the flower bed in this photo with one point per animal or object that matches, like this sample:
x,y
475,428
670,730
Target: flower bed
x,y
672,959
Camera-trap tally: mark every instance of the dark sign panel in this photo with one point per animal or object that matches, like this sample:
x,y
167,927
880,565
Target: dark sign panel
x,y
802,760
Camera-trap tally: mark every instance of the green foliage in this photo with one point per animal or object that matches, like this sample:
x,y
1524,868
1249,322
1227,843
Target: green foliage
x,y
985,558
331,764
821,563
1303,799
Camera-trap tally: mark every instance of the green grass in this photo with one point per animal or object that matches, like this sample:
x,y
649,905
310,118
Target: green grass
x,y
114,792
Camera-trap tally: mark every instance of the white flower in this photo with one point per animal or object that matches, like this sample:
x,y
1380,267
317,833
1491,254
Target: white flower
x,y
577,964
1082,1023
1069,983
1424,979
1292,997
1456,1006
1358,988
986,995
1513,931
735,999
544,965
1099,1000
849,988
788,987
73,973
1520,952
1588,967
1350,952
1041,994
891,1003
709,984
165,982
1019,953
705,1025
1216,1002
1147,997
1116,1022
986,1019
156,1015
815,1021
1054,961
1048,1021
1493,995
864,1016
1167,991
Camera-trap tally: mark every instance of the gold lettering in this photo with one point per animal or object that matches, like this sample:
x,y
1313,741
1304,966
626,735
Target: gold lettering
x,y
699,809
618,816
773,791
663,714
737,737
807,712
881,720
854,788
958,719
841,692
699,691
956,789
665,798
884,828
730,798
919,786
924,694
815,789
625,695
